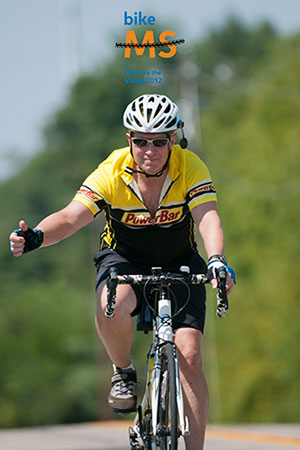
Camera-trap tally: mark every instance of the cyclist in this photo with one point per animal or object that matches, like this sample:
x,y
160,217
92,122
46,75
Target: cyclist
x,y
153,192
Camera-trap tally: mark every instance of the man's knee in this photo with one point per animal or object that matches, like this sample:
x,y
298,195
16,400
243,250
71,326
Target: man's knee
x,y
101,299
191,362
189,353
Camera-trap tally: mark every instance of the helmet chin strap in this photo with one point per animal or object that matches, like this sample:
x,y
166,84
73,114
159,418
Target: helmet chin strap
x,y
149,175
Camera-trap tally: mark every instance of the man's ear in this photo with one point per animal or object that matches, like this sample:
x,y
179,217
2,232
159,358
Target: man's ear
x,y
128,137
173,138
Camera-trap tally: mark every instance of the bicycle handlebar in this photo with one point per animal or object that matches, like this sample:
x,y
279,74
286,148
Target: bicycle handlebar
x,y
159,278
222,300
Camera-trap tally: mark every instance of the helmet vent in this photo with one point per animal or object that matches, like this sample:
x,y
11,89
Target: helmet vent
x,y
141,108
168,108
171,124
149,112
157,125
137,121
158,109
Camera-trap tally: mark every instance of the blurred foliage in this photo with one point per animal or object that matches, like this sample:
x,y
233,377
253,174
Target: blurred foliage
x,y
252,134
240,46
53,367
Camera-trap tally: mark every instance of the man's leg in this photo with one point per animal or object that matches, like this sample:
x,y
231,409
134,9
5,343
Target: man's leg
x,y
116,333
196,398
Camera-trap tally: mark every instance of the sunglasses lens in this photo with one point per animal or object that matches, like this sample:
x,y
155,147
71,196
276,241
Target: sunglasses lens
x,y
160,142
140,142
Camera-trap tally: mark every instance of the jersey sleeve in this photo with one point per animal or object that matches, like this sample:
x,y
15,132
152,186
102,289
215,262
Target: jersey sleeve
x,y
200,188
95,190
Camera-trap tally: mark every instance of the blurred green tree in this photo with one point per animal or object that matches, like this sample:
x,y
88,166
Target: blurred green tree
x,y
252,139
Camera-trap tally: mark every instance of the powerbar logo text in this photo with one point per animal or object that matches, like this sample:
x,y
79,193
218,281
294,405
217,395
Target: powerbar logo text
x,y
162,217
208,188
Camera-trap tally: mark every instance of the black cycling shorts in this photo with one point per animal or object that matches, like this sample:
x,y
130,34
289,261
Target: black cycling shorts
x,y
193,315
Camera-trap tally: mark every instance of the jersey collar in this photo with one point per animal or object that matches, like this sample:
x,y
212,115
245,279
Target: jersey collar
x,y
173,169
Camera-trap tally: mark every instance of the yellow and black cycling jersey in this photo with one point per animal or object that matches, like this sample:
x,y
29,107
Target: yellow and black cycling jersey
x,y
130,229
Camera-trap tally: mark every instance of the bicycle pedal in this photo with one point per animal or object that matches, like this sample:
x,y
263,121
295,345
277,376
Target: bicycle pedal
x,y
124,412
134,444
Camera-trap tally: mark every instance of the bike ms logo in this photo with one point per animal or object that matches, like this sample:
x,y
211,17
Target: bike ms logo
x,y
166,48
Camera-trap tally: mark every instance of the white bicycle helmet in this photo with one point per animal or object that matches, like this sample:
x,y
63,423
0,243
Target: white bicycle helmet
x,y
151,113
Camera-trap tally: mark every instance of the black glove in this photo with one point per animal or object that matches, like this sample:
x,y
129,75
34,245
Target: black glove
x,y
34,238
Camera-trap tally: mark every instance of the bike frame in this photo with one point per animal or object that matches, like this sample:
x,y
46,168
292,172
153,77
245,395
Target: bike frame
x,y
162,333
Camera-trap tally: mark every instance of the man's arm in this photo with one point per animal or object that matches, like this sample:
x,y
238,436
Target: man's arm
x,y
208,221
56,227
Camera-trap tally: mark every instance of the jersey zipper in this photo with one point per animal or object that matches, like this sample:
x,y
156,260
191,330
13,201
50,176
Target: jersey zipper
x,y
156,250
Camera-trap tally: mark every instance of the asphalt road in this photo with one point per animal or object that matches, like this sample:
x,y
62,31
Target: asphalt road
x,y
113,436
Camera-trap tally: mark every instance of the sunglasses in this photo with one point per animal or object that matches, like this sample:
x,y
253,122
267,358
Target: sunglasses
x,y
143,143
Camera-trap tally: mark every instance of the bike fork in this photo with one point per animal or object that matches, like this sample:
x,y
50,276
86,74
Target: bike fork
x,y
183,420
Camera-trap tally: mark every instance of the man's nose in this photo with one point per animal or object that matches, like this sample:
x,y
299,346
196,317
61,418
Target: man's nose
x,y
150,147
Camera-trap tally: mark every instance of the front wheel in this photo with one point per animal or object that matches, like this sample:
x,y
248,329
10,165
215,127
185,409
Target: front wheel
x,y
167,410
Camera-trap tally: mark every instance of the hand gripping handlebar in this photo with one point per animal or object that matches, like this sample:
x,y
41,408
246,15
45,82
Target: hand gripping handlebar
x,y
222,300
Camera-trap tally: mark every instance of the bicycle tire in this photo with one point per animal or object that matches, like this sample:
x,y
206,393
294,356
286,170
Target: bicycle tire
x,y
167,412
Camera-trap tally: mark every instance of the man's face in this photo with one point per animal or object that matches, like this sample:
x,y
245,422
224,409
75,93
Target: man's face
x,y
151,157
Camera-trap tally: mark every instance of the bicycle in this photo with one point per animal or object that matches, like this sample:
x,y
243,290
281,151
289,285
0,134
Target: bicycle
x,y
160,419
